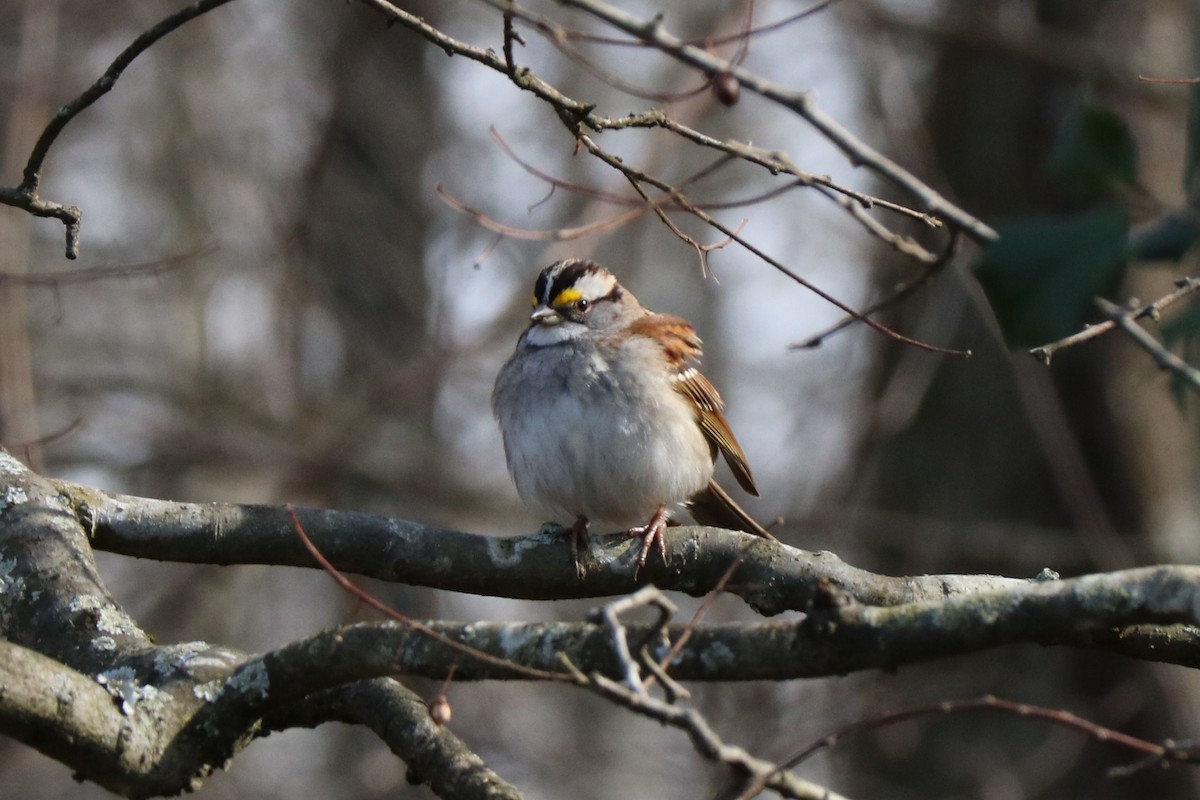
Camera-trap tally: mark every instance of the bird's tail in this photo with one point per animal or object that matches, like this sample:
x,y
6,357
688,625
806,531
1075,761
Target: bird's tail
x,y
712,505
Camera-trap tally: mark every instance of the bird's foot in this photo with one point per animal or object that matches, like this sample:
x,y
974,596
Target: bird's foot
x,y
577,535
652,536
579,541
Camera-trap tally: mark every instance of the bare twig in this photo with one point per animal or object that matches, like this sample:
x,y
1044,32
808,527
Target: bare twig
x,y
610,614
705,740
732,151
775,162
557,30
1124,319
722,582
1164,753
25,196
802,103
375,603
702,250
685,204
71,216
898,294
578,116
1184,288
1149,79
554,234
89,274
53,436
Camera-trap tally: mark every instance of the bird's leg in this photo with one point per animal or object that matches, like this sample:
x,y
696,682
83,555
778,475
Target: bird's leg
x,y
579,541
652,536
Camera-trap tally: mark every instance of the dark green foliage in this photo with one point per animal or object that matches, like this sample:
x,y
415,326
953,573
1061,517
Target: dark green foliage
x,y
1043,274
1166,238
1095,152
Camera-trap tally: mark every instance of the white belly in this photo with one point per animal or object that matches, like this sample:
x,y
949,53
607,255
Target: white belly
x,y
585,450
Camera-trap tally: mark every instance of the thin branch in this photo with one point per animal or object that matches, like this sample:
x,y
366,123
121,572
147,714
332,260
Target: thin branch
x,y
554,182
25,196
369,599
702,250
1124,319
705,740
398,716
610,615
731,152
700,612
684,203
1149,79
1184,288
554,29
898,294
62,433
619,83
89,274
773,161
802,103
1168,752
102,86
552,235
522,77
70,216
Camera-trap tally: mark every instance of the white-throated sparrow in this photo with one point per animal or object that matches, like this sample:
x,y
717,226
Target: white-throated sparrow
x,y
605,417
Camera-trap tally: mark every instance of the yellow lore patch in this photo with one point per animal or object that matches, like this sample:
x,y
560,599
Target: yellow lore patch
x,y
566,297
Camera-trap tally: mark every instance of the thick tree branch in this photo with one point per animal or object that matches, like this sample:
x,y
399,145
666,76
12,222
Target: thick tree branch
x,y
65,714
80,681
401,719
178,712
856,619
772,578
1111,611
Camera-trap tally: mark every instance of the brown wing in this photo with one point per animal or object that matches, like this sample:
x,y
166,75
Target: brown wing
x,y
682,347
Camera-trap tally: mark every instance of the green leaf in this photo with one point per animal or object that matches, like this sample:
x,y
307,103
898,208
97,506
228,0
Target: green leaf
x,y
1043,273
1166,238
1095,150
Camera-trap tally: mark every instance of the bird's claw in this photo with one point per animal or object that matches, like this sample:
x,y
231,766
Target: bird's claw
x,y
652,536
579,541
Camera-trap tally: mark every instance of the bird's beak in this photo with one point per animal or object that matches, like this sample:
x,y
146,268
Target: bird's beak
x,y
545,315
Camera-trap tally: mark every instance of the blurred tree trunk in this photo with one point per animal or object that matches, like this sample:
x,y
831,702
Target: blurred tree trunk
x,y
33,72
360,234
1081,451
361,231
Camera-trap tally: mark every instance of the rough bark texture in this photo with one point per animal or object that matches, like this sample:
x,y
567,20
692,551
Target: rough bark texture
x,y
85,685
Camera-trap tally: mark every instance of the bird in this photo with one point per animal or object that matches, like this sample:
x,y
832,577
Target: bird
x,y
605,415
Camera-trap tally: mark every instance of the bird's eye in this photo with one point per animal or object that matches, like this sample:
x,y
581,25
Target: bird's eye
x,y
582,304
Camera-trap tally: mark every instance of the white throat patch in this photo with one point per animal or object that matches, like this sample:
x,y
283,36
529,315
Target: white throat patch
x,y
544,335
